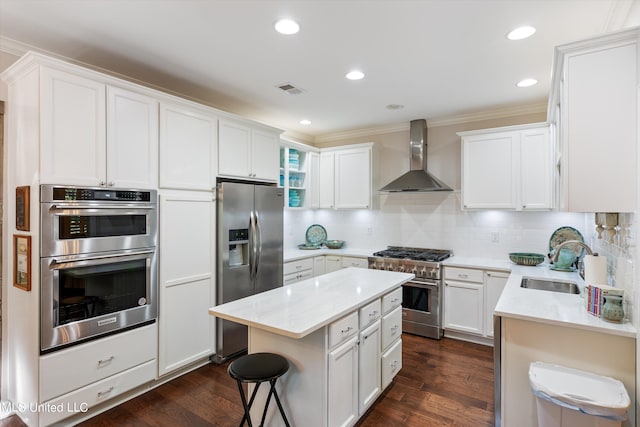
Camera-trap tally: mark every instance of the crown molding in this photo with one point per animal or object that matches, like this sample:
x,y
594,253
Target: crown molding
x,y
619,11
496,113
14,47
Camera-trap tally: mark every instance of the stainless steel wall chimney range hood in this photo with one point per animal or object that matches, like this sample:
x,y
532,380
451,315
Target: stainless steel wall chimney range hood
x,y
417,179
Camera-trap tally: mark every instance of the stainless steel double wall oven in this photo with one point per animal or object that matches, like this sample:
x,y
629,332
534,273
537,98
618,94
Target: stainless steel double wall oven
x,y
97,262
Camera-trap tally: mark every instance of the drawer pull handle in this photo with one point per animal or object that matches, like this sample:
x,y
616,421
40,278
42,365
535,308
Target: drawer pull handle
x,y
105,361
395,300
463,276
373,313
346,331
394,328
105,392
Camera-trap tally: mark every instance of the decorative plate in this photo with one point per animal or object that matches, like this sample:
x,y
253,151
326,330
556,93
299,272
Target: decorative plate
x,y
316,234
307,246
563,234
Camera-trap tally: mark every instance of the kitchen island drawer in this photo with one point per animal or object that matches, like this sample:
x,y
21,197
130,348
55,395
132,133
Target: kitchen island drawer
x,y
391,327
370,313
83,364
391,363
392,300
80,400
342,329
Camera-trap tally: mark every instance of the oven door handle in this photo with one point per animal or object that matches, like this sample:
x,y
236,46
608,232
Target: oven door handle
x,y
421,285
66,207
56,264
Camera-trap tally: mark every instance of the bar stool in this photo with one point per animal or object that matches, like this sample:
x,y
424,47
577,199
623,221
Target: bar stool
x,y
258,368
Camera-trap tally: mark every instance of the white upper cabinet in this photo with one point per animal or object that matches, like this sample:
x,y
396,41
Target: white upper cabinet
x,y
132,139
507,168
353,179
96,135
313,181
594,106
327,180
346,177
73,134
536,169
248,153
188,147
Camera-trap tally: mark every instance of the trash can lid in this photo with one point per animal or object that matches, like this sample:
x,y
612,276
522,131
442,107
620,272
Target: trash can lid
x,y
580,390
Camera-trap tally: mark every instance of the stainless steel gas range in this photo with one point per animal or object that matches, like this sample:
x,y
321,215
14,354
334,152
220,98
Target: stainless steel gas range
x,y
422,296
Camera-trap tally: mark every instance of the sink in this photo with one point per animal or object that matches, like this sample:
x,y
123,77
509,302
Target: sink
x,y
550,285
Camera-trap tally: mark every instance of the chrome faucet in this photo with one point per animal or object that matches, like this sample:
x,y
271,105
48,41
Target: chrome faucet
x,y
554,257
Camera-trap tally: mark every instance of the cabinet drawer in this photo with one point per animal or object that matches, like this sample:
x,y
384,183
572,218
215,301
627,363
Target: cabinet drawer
x,y
80,400
370,312
392,300
391,327
296,277
297,266
465,274
78,366
391,363
343,328
348,261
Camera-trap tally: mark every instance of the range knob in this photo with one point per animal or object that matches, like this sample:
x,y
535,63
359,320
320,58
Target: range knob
x,y
390,267
401,269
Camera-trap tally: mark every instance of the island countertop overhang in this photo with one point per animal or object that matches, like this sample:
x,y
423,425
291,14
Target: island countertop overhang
x,y
299,309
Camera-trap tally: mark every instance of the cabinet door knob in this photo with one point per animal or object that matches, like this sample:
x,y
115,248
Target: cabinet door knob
x,y
101,183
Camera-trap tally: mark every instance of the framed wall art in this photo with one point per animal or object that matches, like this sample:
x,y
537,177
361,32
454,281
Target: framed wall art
x,y
22,262
22,208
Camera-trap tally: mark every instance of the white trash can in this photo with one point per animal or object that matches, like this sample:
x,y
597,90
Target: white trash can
x,y
569,397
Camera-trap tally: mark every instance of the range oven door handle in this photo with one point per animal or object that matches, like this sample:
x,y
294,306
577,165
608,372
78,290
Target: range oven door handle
x,y
422,285
58,264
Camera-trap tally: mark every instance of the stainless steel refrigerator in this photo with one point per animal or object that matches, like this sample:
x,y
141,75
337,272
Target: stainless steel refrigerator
x,y
249,236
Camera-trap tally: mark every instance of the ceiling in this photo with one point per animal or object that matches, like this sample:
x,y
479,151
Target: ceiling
x,y
437,58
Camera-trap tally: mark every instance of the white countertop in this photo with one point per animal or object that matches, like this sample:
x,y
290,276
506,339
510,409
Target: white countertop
x,y
301,308
296,254
543,306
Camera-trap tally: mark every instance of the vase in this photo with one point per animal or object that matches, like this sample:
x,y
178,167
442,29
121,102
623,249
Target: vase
x,y
612,308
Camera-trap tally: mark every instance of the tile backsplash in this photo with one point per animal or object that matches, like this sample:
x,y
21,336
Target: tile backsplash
x,y
435,220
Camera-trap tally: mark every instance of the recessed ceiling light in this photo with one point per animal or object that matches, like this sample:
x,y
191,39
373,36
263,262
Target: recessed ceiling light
x,y
527,82
521,33
355,75
287,26
305,122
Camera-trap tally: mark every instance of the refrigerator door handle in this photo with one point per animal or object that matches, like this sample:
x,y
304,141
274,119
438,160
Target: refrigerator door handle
x,y
258,245
252,245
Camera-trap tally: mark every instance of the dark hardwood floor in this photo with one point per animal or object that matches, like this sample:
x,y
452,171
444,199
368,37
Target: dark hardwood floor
x,y
442,383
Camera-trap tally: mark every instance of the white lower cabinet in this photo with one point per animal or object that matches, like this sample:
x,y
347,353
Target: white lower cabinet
x,y
369,378
332,263
295,271
349,261
470,297
343,384
494,282
318,266
391,363
363,358
463,306
96,371
187,278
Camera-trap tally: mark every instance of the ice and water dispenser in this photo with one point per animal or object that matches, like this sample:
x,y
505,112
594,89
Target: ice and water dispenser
x,y
238,247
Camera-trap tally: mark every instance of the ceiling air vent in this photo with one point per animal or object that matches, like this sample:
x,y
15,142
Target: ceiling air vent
x,y
290,89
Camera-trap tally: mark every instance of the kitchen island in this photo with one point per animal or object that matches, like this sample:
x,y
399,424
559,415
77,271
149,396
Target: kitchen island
x,y
341,334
